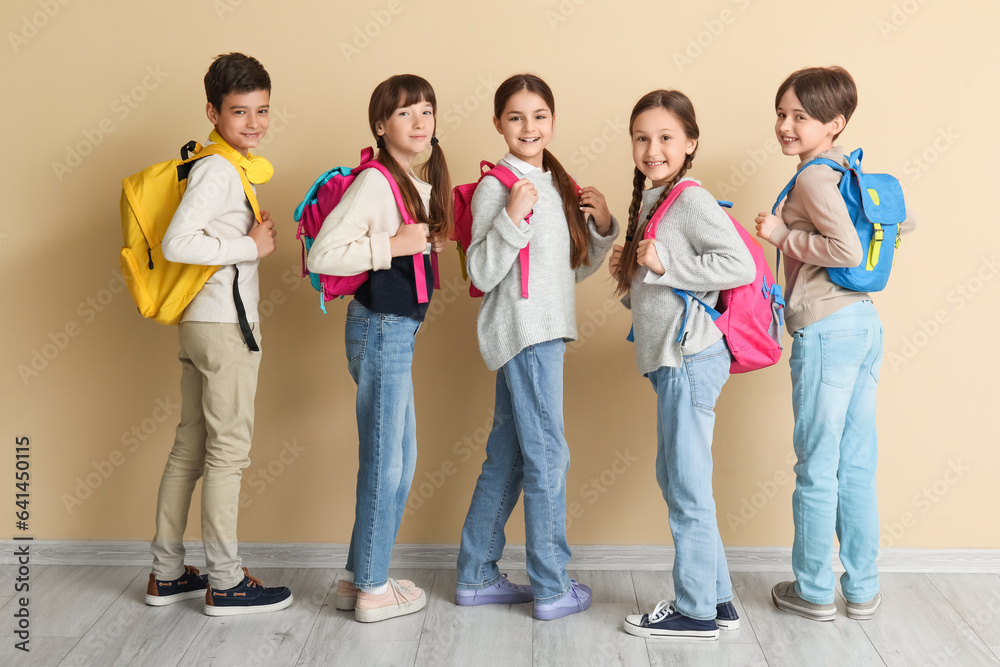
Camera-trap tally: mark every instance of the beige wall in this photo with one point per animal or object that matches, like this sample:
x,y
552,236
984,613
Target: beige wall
x,y
118,84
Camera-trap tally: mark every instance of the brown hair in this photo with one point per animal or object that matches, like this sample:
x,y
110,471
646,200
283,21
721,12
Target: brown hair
x,y
825,92
234,73
578,249
403,90
679,105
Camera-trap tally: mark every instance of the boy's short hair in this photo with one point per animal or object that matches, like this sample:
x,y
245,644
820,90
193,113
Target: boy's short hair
x,y
234,73
825,92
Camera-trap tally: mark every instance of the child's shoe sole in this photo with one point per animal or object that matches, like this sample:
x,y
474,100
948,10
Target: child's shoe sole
x,y
633,627
728,625
865,611
390,611
249,609
162,600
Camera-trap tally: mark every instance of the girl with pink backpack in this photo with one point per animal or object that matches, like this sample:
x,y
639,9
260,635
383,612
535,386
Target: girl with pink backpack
x,y
524,322
365,233
696,250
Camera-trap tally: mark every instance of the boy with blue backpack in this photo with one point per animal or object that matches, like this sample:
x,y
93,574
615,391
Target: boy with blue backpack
x,y
837,229
218,224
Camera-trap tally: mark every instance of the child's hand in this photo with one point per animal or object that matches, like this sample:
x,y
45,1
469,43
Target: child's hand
x,y
523,198
616,258
263,235
409,240
646,256
766,224
438,243
592,203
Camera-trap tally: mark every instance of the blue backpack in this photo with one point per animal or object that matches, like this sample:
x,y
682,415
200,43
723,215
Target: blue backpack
x,y
875,204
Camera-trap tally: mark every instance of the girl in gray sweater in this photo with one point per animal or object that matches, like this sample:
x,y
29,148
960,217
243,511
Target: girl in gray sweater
x,y
696,249
523,337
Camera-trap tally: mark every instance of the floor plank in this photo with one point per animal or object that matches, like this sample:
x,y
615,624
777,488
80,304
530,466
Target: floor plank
x,y
132,633
265,639
42,651
484,635
917,625
668,653
338,639
787,639
594,637
54,613
651,587
977,598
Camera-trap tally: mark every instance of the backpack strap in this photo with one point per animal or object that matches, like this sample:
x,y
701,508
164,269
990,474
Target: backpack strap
x,y
418,258
509,178
675,192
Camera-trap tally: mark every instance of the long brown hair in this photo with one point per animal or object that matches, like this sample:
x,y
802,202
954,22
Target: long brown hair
x,y
403,90
678,104
578,255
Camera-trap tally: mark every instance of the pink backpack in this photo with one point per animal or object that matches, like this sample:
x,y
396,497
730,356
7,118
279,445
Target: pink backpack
x,y
322,198
462,199
750,317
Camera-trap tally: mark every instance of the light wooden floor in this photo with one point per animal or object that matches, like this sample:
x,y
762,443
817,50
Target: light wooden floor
x,y
92,615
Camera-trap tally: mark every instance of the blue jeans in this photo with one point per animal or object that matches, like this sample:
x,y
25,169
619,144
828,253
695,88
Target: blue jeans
x,y
379,357
835,365
527,447
685,420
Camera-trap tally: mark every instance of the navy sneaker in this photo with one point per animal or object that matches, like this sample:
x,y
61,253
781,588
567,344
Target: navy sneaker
x,y
249,597
667,622
726,617
188,586
501,592
576,600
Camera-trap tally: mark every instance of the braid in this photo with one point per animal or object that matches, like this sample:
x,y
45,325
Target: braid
x,y
436,172
629,263
578,236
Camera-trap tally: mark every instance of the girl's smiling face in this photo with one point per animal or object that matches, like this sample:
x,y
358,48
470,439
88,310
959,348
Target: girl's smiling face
x,y
659,145
526,125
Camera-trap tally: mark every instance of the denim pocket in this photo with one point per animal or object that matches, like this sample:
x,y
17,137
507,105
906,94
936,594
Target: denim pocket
x,y
707,373
842,352
356,338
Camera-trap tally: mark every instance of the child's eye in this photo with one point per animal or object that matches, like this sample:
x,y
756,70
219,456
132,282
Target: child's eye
x,y
665,138
541,116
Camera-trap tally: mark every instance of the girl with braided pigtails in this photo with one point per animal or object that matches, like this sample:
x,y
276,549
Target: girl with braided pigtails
x,y
697,249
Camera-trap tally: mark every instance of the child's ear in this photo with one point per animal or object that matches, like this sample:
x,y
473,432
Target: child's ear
x,y
692,145
496,124
837,125
213,115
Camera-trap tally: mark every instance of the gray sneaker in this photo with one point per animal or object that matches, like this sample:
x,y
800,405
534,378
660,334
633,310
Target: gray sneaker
x,y
786,599
863,611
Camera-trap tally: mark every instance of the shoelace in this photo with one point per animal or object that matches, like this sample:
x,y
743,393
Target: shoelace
x,y
254,581
190,569
662,609
400,591
504,583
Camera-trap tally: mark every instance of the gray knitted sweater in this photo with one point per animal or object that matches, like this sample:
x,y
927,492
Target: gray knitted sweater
x,y
701,252
507,322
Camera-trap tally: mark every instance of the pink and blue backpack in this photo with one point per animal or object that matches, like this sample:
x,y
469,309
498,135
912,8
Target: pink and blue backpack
x,y
320,200
751,316
875,204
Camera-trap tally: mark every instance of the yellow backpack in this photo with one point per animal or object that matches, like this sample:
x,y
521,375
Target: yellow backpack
x,y
163,289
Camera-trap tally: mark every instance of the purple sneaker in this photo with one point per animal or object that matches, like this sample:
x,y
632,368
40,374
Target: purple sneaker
x,y
576,600
501,592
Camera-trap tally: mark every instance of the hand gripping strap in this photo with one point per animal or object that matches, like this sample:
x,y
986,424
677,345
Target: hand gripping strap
x,y
420,277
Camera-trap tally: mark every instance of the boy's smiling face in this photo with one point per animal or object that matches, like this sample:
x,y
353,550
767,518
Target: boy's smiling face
x,y
242,121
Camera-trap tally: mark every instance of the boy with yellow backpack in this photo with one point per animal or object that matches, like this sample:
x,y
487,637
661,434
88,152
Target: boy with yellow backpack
x,y
214,240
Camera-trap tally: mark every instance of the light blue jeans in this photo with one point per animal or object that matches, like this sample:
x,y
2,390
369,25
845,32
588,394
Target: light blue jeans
x,y
685,420
527,447
379,356
835,366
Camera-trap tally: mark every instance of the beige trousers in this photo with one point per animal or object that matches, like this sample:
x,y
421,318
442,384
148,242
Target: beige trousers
x,y
218,385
